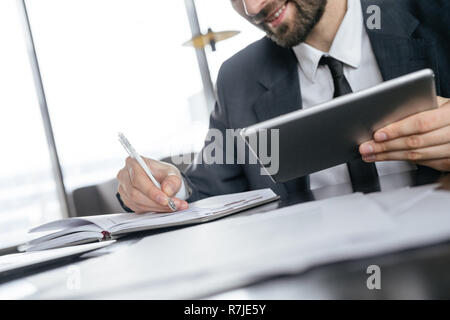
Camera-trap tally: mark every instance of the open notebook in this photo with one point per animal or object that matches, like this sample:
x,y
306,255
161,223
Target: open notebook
x,y
73,231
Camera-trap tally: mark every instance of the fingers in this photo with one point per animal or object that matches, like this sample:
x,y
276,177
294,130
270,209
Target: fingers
x,y
127,192
171,185
415,155
142,182
136,208
139,203
141,195
433,138
134,205
137,197
417,124
161,169
423,138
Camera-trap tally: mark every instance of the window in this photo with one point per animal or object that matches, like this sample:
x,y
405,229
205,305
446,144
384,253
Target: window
x,y
220,16
27,189
117,65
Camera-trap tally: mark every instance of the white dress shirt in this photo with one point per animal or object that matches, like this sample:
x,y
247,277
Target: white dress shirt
x,y
352,47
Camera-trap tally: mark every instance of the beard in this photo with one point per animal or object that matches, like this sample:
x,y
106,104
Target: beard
x,y
307,13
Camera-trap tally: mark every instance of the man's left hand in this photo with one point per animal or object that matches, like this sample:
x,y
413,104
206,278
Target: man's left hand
x,y
423,139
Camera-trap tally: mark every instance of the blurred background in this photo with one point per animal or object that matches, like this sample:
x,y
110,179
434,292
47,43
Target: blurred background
x,y
106,66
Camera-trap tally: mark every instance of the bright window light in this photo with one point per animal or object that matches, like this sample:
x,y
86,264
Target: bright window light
x,y
27,189
117,65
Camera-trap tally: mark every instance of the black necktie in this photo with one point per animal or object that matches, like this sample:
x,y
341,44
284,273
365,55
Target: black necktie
x,y
364,176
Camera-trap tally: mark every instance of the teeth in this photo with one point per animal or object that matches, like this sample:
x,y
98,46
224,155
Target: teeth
x,y
279,12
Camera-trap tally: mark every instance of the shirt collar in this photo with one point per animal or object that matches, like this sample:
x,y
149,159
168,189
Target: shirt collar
x,y
346,47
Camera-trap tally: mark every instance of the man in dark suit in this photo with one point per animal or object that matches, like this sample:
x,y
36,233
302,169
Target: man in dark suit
x,y
316,50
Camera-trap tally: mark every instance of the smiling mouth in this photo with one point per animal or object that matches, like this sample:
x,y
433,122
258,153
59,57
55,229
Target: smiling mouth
x,y
276,14
276,17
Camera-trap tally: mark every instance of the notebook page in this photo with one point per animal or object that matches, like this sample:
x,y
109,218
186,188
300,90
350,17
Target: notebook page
x,y
60,224
64,232
66,240
197,210
103,222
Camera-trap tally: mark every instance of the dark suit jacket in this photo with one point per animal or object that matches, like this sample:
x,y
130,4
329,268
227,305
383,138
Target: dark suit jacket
x,y
261,82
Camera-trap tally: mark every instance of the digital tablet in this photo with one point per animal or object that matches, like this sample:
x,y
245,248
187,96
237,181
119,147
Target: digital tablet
x,y
329,134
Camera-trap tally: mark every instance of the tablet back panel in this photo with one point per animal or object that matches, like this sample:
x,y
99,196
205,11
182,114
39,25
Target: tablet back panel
x,y
330,134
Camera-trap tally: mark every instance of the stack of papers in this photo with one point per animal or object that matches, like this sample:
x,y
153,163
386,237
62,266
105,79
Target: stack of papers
x,y
207,259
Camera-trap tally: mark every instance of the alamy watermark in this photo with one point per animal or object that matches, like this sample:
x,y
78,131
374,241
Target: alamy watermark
x,y
373,22
231,148
374,280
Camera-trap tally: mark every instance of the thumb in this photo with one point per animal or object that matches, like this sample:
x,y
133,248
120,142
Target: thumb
x,y
171,185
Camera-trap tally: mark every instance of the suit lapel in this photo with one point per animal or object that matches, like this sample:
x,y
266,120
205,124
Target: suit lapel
x,y
395,49
281,82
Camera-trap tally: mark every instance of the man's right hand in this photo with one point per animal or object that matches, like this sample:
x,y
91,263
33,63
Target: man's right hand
x,y
139,193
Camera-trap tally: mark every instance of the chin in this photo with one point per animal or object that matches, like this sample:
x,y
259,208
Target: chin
x,y
288,40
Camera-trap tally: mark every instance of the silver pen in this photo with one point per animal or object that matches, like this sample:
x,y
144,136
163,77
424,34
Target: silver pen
x,y
133,154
